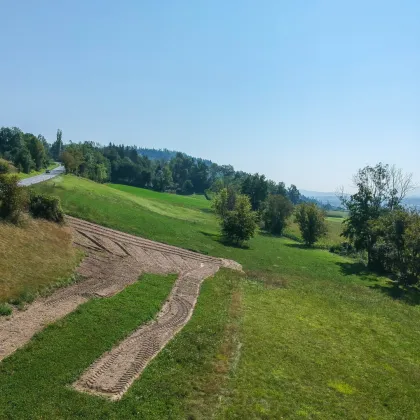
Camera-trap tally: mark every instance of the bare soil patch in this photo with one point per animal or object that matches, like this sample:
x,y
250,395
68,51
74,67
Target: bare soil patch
x,y
115,260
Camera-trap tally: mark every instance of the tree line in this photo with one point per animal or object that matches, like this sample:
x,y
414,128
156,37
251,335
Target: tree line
x,y
378,224
239,220
175,172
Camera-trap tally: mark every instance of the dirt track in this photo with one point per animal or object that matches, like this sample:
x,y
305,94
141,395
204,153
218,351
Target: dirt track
x,y
114,261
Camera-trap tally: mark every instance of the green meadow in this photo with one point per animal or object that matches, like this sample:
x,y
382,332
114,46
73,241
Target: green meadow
x,y
303,333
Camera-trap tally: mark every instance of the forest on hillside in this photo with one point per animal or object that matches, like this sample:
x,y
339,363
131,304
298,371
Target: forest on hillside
x,y
160,170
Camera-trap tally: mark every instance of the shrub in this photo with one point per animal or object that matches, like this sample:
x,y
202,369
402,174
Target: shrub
x,y
311,221
187,187
238,225
4,166
46,207
5,309
276,212
397,249
13,198
224,201
343,248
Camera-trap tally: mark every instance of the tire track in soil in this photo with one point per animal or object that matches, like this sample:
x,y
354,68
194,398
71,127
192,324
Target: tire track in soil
x,y
114,261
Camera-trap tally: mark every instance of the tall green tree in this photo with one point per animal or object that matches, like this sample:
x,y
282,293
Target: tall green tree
x,y
277,210
224,202
256,188
11,140
57,147
239,225
380,189
397,249
311,221
37,151
293,194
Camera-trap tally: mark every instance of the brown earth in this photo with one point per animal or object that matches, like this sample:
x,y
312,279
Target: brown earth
x,y
115,260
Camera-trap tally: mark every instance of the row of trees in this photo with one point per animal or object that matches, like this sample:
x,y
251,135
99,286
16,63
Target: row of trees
x,y
239,221
380,226
174,172
181,174
25,150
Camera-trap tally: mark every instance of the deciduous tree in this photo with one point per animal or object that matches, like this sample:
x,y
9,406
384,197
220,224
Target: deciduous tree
x,y
311,221
277,210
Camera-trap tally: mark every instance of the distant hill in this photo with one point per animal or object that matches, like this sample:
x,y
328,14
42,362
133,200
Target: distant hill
x,y
164,154
323,197
330,197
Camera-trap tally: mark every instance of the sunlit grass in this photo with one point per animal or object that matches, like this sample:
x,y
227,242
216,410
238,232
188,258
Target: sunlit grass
x,y
318,336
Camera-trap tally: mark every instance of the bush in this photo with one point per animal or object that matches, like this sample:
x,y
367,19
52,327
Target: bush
x,y
311,221
13,198
46,207
5,309
343,248
224,201
276,212
397,248
4,167
239,224
187,187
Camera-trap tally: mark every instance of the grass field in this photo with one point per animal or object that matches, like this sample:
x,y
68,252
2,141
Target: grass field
x,y
304,334
337,213
34,258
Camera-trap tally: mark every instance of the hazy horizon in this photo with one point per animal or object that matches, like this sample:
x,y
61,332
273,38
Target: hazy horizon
x,y
303,93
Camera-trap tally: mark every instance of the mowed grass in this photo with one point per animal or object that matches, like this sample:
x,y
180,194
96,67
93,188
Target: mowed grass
x,y
314,335
34,257
183,380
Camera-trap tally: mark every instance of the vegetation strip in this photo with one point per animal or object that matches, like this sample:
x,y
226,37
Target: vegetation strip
x,y
115,371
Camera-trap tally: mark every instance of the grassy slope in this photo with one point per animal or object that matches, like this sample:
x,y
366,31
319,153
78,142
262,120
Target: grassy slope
x,y
33,380
319,337
40,244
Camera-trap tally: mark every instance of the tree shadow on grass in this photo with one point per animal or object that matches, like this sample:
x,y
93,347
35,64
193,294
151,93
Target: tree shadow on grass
x,y
270,235
217,238
300,246
357,269
409,295
205,210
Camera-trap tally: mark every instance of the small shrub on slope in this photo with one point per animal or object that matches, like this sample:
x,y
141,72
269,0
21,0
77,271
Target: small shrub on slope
x,y
13,199
46,207
4,166
5,309
239,224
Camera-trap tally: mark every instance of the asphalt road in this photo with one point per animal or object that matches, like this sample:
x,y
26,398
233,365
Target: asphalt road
x,y
41,178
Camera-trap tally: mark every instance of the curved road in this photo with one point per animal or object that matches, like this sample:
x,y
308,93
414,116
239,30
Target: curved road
x,y
43,177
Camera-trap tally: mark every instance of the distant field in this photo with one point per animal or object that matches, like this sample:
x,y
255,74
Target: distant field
x,y
334,225
337,214
304,334
34,257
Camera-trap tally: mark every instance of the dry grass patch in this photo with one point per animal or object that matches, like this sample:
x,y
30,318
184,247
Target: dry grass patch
x,y
268,278
34,257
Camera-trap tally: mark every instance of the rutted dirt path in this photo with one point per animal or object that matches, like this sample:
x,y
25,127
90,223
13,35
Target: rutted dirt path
x,y
115,260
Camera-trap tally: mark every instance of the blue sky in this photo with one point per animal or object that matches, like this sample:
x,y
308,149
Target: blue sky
x,y
304,91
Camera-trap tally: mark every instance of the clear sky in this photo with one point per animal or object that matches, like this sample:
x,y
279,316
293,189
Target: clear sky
x,y
304,91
